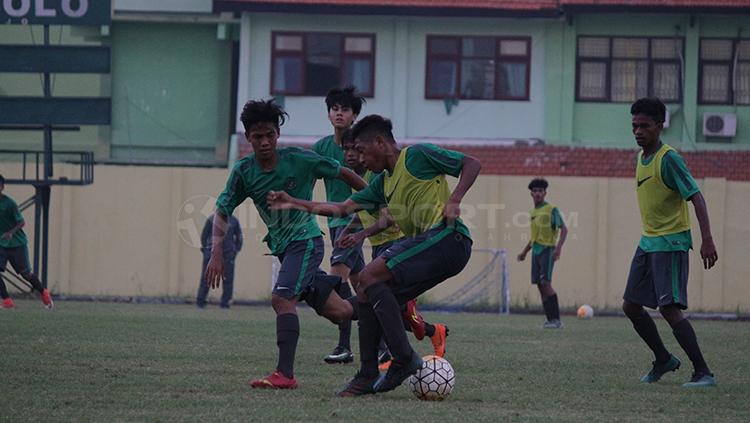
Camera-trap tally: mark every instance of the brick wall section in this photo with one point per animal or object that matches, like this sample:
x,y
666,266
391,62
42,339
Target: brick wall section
x,y
550,160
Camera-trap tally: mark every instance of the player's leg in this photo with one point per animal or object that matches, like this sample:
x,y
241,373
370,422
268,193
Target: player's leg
x,y
200,298
416,265
299,265
670,279
344,261
640,292
7,301
541,275
228,285
19,259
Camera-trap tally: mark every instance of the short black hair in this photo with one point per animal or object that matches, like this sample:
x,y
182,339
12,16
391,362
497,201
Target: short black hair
x,y
2,180
373,125
347,139
345,97
651,107
538,183
262,111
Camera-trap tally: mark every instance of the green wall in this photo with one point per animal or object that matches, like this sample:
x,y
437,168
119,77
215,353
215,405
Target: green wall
x,y
608,124
170,94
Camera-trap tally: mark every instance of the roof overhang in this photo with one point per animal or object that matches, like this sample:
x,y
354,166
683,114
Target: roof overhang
x,y
478,9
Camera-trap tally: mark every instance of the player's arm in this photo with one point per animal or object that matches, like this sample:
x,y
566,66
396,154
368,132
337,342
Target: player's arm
x,y
350,240
215,267
469,171
21,223
352,179
563,234
522,254
280,200
708,249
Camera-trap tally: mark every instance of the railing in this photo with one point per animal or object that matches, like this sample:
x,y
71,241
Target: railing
x,y
32,167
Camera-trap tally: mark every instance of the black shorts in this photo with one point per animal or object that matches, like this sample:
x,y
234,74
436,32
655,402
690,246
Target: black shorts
x,y
658,279
421,262
377,250
351,257
300,263
541,266
18,258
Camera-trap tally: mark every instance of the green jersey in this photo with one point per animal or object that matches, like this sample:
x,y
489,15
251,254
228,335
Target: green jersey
x,y
10,217
296,172
416,192
337,191
675,176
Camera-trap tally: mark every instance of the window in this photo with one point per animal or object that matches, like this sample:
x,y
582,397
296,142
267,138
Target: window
x,y
311,63
478,68
622,70
724,71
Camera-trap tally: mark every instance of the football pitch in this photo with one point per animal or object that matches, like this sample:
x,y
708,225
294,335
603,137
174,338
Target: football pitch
x,y
135,362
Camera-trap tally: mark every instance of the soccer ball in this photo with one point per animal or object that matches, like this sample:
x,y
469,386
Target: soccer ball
x,y
434,381
585,312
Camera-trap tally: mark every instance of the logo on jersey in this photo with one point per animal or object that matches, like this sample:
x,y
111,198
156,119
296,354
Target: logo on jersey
x,y
290,184
643,180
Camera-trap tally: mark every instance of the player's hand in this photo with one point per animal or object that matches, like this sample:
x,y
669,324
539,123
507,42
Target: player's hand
x,y
556,255
451,211
214,271
7,236
349,240
279,200
521,257
708,253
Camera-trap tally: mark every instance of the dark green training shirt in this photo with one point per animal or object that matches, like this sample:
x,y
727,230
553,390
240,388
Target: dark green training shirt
x,y
296,172
337,191
10,216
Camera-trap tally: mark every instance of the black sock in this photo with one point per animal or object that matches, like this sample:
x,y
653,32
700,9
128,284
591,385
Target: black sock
x,y
3,289
685,335
355,307
370,335
345,328
389,315
35,282
287,334
646,328
429,329
551,307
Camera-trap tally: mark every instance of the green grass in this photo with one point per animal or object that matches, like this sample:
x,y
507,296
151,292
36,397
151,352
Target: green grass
x,y
124,362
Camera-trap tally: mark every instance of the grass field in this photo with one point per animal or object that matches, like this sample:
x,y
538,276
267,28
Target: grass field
x,y
128,362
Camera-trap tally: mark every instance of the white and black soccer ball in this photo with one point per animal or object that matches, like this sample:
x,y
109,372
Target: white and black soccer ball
x,y
435,380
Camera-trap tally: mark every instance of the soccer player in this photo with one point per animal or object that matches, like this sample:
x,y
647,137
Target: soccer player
x,y
659,270
293,236
382,232
546,223
14,249
343,105
437,245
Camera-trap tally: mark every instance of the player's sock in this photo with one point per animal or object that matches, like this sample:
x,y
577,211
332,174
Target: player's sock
x,y
429,329
685,335
355,307
389,315
646,328
3,290
554,307
35,282
345,328
370,335
547,306
287,334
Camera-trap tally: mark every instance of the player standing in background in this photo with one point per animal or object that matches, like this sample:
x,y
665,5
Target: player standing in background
x,y
14,249
343,105
293,236
437,244
659,270
545,248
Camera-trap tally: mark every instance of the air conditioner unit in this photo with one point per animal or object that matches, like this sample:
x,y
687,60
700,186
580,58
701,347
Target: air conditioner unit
x,y
719,125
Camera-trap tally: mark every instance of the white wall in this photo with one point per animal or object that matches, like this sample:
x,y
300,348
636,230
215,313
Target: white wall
x,y
400,76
